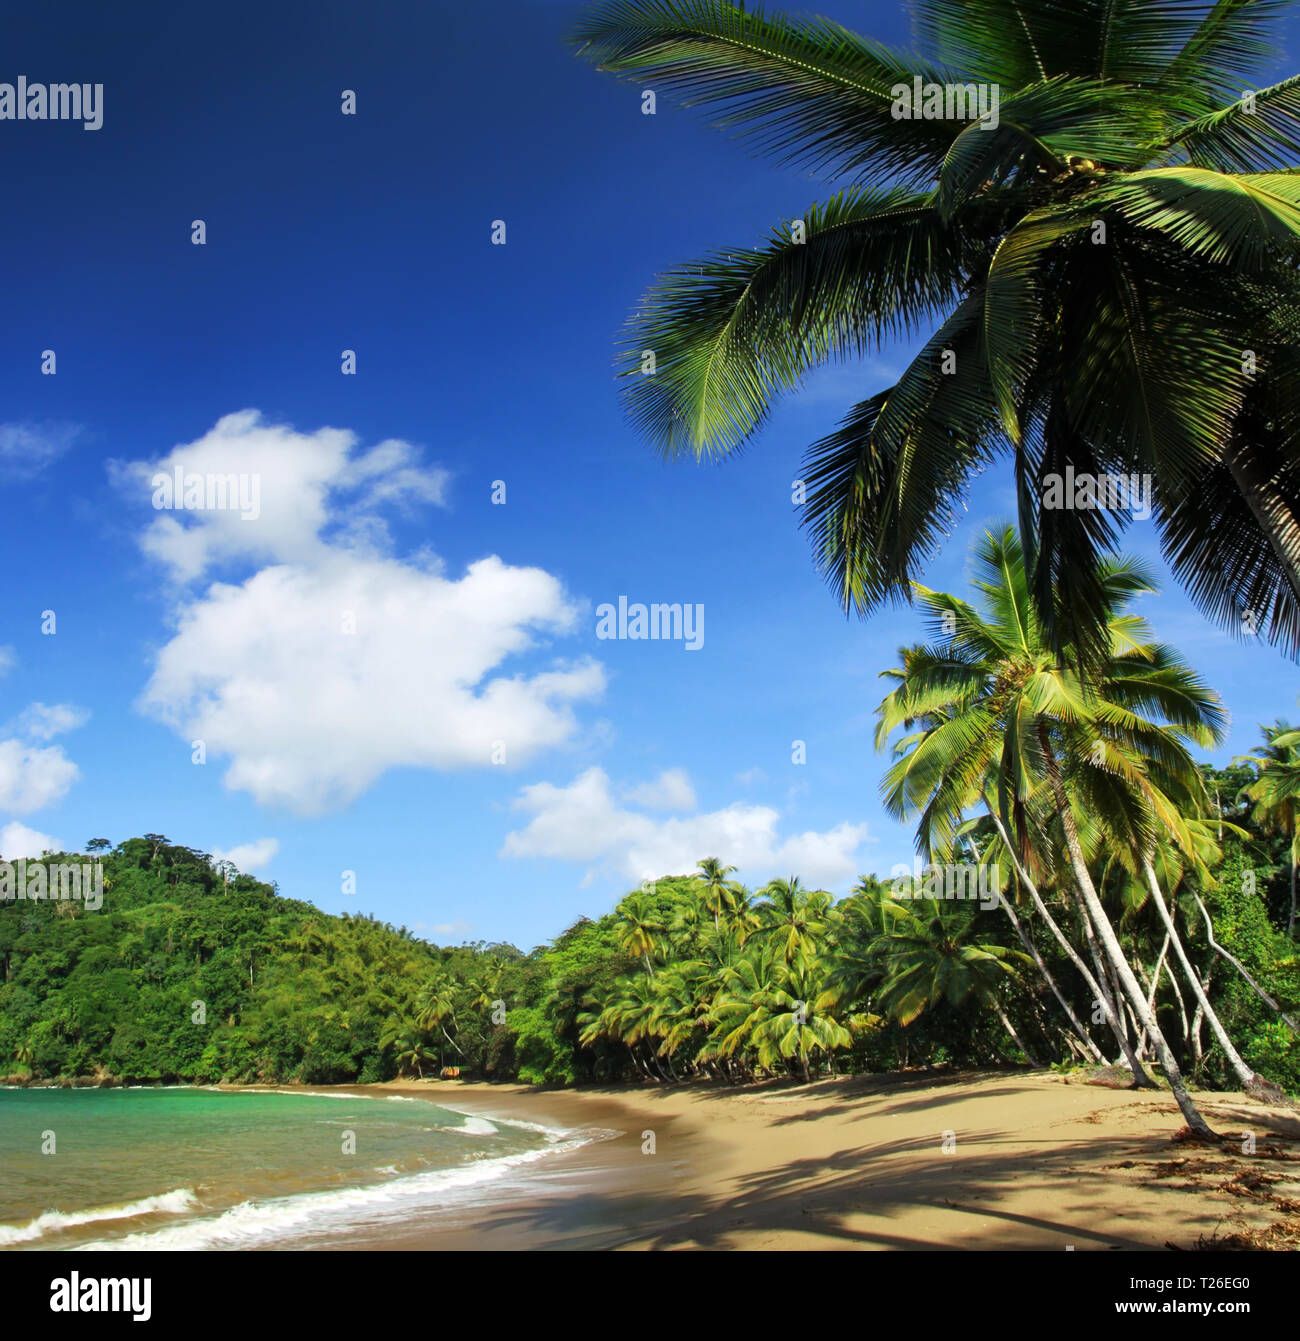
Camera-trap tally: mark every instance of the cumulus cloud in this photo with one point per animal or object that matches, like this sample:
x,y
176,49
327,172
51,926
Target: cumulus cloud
x,y
585,822
44,721
248,856
26,449
335,661
671,790
17,840
308,490
32,777
316,680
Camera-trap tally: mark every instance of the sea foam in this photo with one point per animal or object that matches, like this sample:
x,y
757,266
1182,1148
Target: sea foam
x,y
254,1222
53,1222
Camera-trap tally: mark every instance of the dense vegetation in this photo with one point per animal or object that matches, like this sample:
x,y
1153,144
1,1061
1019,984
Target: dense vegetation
x,y
693,974
193,972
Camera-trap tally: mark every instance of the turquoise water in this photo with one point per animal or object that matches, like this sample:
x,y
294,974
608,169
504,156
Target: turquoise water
x,y
200,1168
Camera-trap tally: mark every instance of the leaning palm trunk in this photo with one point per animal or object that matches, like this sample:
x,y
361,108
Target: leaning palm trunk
x,y
1112,1006
1241,968
1198,1048
1153,989
1244,1074
1182,1017
1032,950
1084,1038
1011,1030
1114,952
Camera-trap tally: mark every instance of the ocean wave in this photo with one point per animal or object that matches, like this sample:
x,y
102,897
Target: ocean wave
x,y
551,1133
476,1126
254,1222
52,1222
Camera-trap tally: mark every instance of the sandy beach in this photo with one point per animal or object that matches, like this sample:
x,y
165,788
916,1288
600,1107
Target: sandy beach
x,y
1032,1161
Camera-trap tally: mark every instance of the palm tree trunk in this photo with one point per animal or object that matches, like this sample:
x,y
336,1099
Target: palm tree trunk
x,y
1114,1009
1079,1028
1241,968
1243,1073
1152,989
636,1061
1198,1050
1110,943
1182,1013
1032,950
1011,1029
1139,1032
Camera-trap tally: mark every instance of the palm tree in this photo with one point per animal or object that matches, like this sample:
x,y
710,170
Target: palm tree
x,y
719,892
992,698
435,1005
683,995
411,1053
854,971
631,1017
690,919
742,916
997,847
781,1010
1106,278
1276,793
485,987
792,916
640,926
933,953
1144,786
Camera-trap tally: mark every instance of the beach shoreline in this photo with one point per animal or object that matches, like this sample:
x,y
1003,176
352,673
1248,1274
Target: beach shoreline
x,y
994,1160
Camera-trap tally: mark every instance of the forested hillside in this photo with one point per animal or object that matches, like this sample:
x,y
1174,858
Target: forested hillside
x,y
191,972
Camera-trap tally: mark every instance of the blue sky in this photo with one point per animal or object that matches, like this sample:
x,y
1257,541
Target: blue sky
x,y
371,752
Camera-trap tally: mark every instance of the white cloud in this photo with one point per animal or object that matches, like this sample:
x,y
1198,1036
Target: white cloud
x,y
17,840
44,721
248,856
671,790
456,930
750,776
338,661
7,658
583,822
26,449
299,478
311,715
32,777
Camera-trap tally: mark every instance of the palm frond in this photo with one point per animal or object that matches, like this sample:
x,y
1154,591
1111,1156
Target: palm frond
x,y
729,332
806,90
